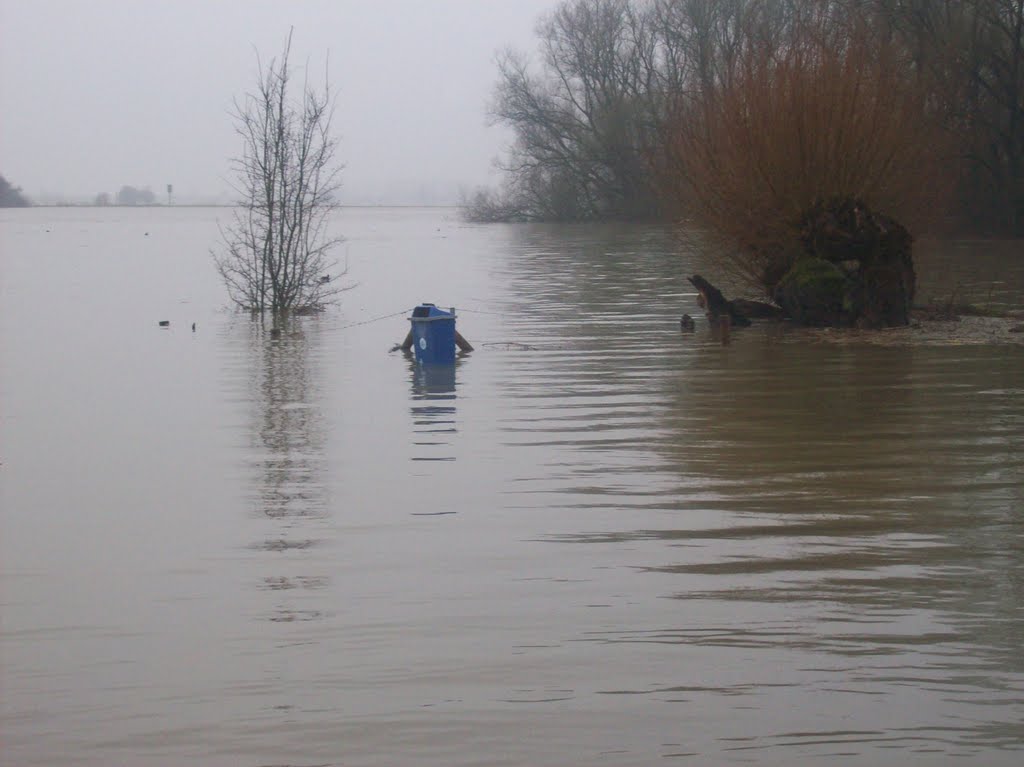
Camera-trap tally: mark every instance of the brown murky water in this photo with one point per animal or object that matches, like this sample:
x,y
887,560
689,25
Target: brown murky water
x,y
594,541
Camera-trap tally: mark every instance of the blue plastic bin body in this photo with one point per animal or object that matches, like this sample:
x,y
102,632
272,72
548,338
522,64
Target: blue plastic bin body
x,y
433,335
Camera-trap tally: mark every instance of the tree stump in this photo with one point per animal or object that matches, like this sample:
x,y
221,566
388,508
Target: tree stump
x,y
855,268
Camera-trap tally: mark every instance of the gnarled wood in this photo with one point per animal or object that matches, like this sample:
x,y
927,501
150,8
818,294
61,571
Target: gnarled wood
x,y
716,304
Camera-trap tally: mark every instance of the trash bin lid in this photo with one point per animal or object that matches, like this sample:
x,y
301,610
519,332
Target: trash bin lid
x,y
430,312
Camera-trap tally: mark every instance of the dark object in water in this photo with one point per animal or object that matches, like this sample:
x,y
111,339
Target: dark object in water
x,y
716,304
725,329
854,267
193,327
275,332
687,324
164,323
462,343
757,310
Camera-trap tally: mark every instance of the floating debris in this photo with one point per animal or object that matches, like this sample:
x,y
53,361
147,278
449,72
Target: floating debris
x,y
510,346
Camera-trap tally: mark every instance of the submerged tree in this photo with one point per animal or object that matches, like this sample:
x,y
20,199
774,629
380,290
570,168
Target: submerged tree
x,y
823,113
584,121
597,114
276,250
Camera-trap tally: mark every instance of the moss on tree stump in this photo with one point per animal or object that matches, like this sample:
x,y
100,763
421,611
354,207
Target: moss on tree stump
x,y
813,292
856,268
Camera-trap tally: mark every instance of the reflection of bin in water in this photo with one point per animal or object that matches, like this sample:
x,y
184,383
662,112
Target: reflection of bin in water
x,y
433,334
433,411
434,382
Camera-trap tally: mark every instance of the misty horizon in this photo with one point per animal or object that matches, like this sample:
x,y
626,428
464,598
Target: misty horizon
x,y
113,94
396,193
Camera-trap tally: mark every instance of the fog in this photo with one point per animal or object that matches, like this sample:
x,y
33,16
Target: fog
x,y
112,92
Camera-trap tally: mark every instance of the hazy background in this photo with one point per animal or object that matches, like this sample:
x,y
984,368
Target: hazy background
x,y
96,95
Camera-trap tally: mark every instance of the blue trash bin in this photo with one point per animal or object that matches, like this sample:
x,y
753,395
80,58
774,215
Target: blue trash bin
x,y
433,335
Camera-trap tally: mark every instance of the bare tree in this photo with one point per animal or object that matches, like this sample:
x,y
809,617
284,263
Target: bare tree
x,y
583,121
908,103
970,53
276,250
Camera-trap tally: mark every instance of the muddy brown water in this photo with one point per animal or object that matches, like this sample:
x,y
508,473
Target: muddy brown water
x,y
595,540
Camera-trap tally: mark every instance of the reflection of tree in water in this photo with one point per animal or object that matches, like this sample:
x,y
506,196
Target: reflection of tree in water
x,y
792,498
433,410
594,284
874,481
288,440
777,427
856,482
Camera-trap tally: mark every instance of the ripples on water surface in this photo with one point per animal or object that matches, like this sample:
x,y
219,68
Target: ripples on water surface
x,y
595,541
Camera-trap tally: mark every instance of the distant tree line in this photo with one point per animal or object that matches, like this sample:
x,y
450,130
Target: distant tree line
x,y
11,196
130,195
635,106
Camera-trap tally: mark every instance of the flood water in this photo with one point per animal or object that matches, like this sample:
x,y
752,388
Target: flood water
x,y
595,541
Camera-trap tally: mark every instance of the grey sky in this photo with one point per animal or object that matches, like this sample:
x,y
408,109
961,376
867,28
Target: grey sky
x,y
95,94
